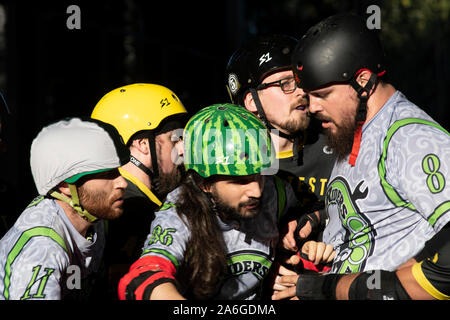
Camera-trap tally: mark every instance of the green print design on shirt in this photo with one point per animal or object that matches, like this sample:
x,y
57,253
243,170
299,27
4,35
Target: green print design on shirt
x,y
430,165
162,235
42,283
435,179
20,244
359,238
391,193
248,261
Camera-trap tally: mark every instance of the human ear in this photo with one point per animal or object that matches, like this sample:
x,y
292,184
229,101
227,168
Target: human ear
x,y
363,77
141,145
249,102
63,188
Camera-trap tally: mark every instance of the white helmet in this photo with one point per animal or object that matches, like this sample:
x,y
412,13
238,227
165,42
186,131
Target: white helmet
x,y
71,148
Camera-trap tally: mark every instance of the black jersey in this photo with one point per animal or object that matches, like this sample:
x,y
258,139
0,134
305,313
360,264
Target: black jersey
x,y
311,167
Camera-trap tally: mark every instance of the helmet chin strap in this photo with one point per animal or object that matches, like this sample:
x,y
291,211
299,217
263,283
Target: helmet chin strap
x,y
153,174
262,116
74,202
361,113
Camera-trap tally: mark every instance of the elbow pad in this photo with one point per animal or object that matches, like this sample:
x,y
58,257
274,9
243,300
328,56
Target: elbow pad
x,y
144,275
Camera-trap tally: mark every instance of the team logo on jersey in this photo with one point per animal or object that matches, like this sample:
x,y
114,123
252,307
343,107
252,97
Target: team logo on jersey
x,y
164,236
358,242
249,261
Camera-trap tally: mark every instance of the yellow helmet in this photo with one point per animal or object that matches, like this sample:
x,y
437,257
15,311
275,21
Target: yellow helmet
x,y
136,107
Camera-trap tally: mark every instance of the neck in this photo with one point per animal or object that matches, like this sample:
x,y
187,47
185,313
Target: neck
x,y
138,173
281,144
80,224
379,97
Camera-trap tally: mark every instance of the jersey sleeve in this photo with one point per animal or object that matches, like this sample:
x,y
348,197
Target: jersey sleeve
x,y
417,166
35,269
168,236
162,254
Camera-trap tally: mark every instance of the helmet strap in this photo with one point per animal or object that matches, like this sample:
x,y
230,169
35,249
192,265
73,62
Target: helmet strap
x,y
361,113
152,173
297,151
154,176
140,165
74,202
262,115
208,195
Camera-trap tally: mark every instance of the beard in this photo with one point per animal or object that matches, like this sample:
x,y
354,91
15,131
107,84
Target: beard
x,y
236,213
295,125
100,203
342,140
169,181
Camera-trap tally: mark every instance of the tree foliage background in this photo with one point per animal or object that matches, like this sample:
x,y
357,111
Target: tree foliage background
x,y
48,72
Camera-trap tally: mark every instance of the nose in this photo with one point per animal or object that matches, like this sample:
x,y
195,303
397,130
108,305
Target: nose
x,y
177,153
255,187
120,182
314,106
180,147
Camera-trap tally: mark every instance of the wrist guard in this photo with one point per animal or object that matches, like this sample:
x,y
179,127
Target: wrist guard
x,y
317,286
377,285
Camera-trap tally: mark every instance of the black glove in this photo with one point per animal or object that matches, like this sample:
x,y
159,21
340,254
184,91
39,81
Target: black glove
x,y
301,222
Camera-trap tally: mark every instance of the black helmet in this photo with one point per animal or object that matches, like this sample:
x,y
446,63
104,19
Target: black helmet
x,y
257,59
335,50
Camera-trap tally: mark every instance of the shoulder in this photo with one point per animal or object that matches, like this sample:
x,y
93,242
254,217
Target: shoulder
x,y
167,216
41,214
409,128
38,225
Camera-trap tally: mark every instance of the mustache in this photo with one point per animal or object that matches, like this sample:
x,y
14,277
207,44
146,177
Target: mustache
x,y
251,203
322,118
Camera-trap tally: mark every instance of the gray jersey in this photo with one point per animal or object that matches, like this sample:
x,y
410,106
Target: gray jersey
x,y
250,250
396,197
44,257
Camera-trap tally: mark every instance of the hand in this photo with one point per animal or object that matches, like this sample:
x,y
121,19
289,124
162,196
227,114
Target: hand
x,y
281,271
288,239
288,283
318,252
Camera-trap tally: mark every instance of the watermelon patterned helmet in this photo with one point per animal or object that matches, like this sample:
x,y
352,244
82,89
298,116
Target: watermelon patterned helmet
x,y
226,139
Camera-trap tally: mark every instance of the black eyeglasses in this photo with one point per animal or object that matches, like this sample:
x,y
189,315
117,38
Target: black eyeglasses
x,y
287,85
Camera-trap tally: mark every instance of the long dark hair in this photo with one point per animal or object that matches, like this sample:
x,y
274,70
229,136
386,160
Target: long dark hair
x,y
204,263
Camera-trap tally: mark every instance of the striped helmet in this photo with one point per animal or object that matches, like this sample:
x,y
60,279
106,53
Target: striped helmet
x,y
226,139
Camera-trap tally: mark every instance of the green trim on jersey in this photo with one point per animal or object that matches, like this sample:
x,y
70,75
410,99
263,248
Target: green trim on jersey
x,y
20,244
164,253
167,205
35,201
390,192
442,209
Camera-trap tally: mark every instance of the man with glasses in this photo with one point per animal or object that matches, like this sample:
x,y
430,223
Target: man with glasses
x,y
259,77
